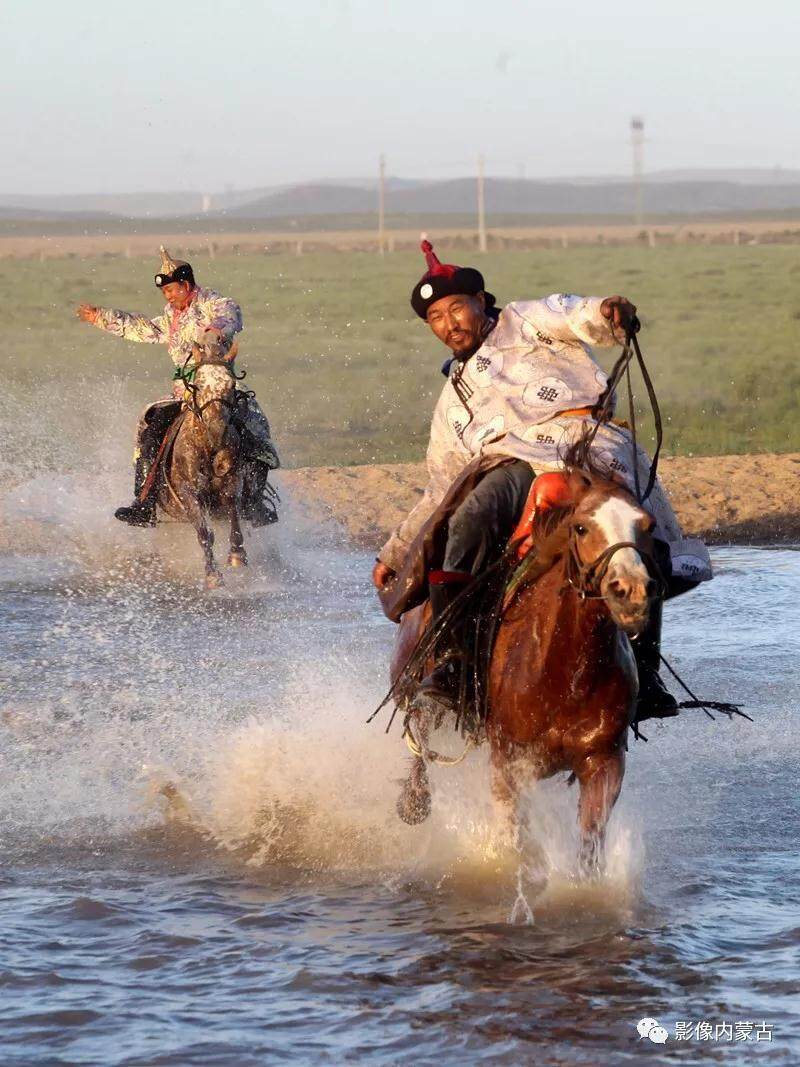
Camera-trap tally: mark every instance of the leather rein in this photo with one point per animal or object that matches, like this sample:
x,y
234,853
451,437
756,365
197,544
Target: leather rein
x,y
192,390
586,578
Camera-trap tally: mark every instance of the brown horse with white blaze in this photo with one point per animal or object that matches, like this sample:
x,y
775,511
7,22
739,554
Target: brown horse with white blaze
x,y
202,472
562,681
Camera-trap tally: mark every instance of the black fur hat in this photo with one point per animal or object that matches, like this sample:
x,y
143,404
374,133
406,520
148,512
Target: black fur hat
x,y
173,270
445,279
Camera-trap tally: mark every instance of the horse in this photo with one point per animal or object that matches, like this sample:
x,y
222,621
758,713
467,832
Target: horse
x,y
202,473
562,681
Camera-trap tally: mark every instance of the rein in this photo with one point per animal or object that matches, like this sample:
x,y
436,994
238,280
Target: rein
x,y
604,409
188,379
586,578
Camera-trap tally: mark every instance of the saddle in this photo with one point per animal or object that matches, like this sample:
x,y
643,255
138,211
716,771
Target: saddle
x,y
549,490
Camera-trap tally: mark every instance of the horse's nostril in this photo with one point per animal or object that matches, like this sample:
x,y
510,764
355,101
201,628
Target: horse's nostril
x,y
618,588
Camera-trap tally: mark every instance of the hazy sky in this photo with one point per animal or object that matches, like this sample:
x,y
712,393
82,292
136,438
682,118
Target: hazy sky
x,y
137,95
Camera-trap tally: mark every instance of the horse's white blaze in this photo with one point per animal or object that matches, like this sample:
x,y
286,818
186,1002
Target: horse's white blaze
x,y
618,520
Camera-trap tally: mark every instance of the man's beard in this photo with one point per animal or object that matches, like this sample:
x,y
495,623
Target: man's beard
x,y
466,353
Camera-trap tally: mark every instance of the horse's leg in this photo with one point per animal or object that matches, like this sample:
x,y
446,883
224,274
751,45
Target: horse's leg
x,y
237,557
600,779
531,871
505,791
205,535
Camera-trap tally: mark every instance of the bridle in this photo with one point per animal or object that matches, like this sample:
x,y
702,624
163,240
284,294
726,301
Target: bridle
x,y
190,399
587,578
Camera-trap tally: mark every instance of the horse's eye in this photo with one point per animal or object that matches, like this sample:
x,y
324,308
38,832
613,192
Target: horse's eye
x,y
580,530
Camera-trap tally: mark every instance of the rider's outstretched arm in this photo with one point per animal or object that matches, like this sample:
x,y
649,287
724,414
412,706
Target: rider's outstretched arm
x,y
133,327
570,318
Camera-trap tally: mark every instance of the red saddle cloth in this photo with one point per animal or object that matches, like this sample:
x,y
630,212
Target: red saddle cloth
x,y
549,490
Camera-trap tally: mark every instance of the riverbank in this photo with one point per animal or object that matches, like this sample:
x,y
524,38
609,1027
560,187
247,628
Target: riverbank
x,y
752,499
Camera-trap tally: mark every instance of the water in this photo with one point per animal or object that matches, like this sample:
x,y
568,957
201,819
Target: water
x,y
202,865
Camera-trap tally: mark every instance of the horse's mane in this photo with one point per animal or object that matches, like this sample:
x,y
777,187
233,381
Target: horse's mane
x,y
578,457
549,536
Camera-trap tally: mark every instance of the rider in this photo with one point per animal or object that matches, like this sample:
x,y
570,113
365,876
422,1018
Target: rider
x,y
191,313
521,386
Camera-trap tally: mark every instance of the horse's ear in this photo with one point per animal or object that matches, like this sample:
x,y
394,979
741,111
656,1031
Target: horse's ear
x,y
552,490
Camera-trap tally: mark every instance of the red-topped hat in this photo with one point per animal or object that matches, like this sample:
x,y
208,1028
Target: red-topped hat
x,y
444,279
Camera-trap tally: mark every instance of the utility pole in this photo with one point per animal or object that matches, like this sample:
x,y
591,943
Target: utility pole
x,y
481,207
637,144
381,203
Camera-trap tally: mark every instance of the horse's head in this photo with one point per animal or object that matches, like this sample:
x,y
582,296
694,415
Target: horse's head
x,y
214,378
610,543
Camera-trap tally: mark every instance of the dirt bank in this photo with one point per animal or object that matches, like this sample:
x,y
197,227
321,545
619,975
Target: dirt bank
x,y
724,499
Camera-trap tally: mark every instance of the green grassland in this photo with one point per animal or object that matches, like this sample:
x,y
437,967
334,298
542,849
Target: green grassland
x,y
348,374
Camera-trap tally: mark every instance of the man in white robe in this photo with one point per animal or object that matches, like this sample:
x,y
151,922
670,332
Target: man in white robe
x,y
522,385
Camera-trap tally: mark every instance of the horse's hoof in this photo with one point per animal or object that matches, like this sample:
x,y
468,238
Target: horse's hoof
x,y
214,580
237,559
414,802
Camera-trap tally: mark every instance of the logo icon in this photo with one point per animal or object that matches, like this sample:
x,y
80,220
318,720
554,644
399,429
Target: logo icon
x,y
653,1029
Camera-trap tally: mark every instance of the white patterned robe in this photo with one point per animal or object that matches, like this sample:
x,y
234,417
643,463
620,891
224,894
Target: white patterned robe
x,y
180,331
535,364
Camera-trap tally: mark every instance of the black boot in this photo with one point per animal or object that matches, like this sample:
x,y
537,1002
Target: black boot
x,y
138,513
157,420
654,701
259,498
438,691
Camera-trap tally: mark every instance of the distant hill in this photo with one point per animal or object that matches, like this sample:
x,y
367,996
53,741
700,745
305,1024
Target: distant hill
x,y
684,192
164,205
743,176
127,205
44,214
520,197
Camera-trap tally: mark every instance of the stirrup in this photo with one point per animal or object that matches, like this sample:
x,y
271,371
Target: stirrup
x,y
439,689
433,702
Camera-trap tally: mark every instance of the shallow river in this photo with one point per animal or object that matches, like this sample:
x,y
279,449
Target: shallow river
x,y
202,865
